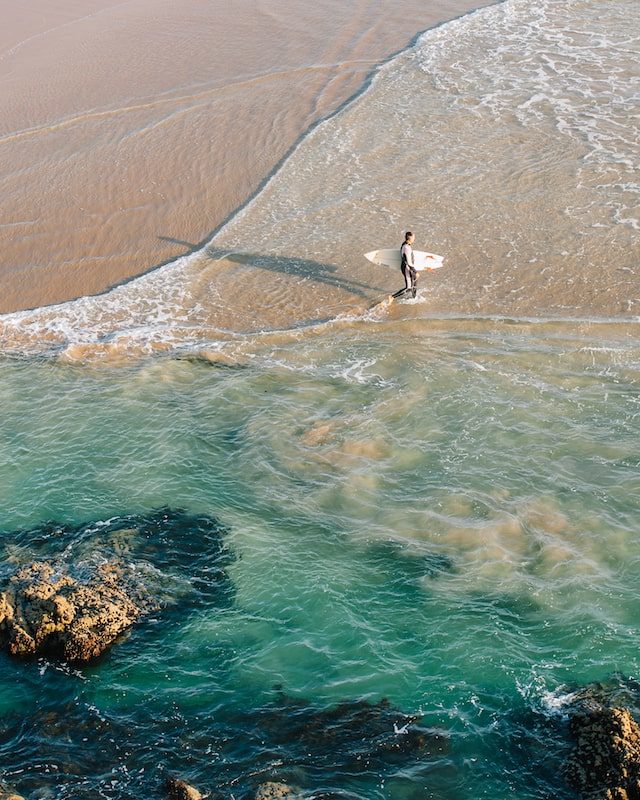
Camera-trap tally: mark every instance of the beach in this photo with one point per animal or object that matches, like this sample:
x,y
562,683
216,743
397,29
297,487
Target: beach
x,y
520,175
263,529
130,131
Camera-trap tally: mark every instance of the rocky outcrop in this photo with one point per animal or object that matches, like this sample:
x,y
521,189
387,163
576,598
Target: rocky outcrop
x,y
7,794
75,589
274,791
46,611
605,762
180,790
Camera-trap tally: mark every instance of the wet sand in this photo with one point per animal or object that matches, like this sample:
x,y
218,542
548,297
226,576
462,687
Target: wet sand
x,y
130,131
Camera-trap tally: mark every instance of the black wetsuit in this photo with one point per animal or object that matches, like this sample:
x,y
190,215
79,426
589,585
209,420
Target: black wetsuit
x,y
408,271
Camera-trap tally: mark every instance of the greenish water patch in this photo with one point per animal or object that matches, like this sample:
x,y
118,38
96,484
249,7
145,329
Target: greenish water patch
x,y
443,514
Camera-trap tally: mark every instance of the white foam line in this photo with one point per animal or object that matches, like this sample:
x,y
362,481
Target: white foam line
x,y
76,321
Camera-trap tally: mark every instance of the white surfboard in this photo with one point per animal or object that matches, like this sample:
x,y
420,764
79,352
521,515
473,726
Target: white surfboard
x,y
392,258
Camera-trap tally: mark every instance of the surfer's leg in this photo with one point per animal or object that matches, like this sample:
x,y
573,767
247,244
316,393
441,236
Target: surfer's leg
x,y
414,282
406,274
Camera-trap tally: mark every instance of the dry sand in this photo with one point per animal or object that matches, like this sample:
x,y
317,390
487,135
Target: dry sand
x,y
130,131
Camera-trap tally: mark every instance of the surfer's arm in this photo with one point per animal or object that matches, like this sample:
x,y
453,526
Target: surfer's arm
x,y
408,253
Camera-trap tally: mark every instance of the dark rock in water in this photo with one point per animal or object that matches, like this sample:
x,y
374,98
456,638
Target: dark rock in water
x,y
72,593
616,691
605,763
334,753
45,611
179,790
170,543
356,734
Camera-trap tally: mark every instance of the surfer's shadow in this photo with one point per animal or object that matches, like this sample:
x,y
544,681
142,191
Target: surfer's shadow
x,y
299,269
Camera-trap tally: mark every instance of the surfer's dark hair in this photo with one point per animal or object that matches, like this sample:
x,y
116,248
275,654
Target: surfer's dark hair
x,y
407,235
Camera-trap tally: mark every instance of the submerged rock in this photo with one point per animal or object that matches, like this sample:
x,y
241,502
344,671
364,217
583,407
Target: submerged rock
x,y
605,762
180,790
288,744
354,735
45,611
274,791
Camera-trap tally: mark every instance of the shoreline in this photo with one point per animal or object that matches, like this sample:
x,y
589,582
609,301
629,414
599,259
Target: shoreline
x,y
57,263
229,348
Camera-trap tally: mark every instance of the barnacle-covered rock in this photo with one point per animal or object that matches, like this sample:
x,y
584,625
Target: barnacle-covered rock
x,y
46,611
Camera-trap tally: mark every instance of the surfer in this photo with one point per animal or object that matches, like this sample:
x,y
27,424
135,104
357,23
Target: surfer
x,y
407,266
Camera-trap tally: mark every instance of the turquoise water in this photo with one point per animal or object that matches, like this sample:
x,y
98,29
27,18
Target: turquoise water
x,y
441,513
388,541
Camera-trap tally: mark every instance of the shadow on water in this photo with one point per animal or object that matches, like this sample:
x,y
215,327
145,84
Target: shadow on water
x,y
301,269
191,248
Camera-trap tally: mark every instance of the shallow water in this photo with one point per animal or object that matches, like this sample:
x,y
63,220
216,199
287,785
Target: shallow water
x,y
433,502
107,172
442,513
507,140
